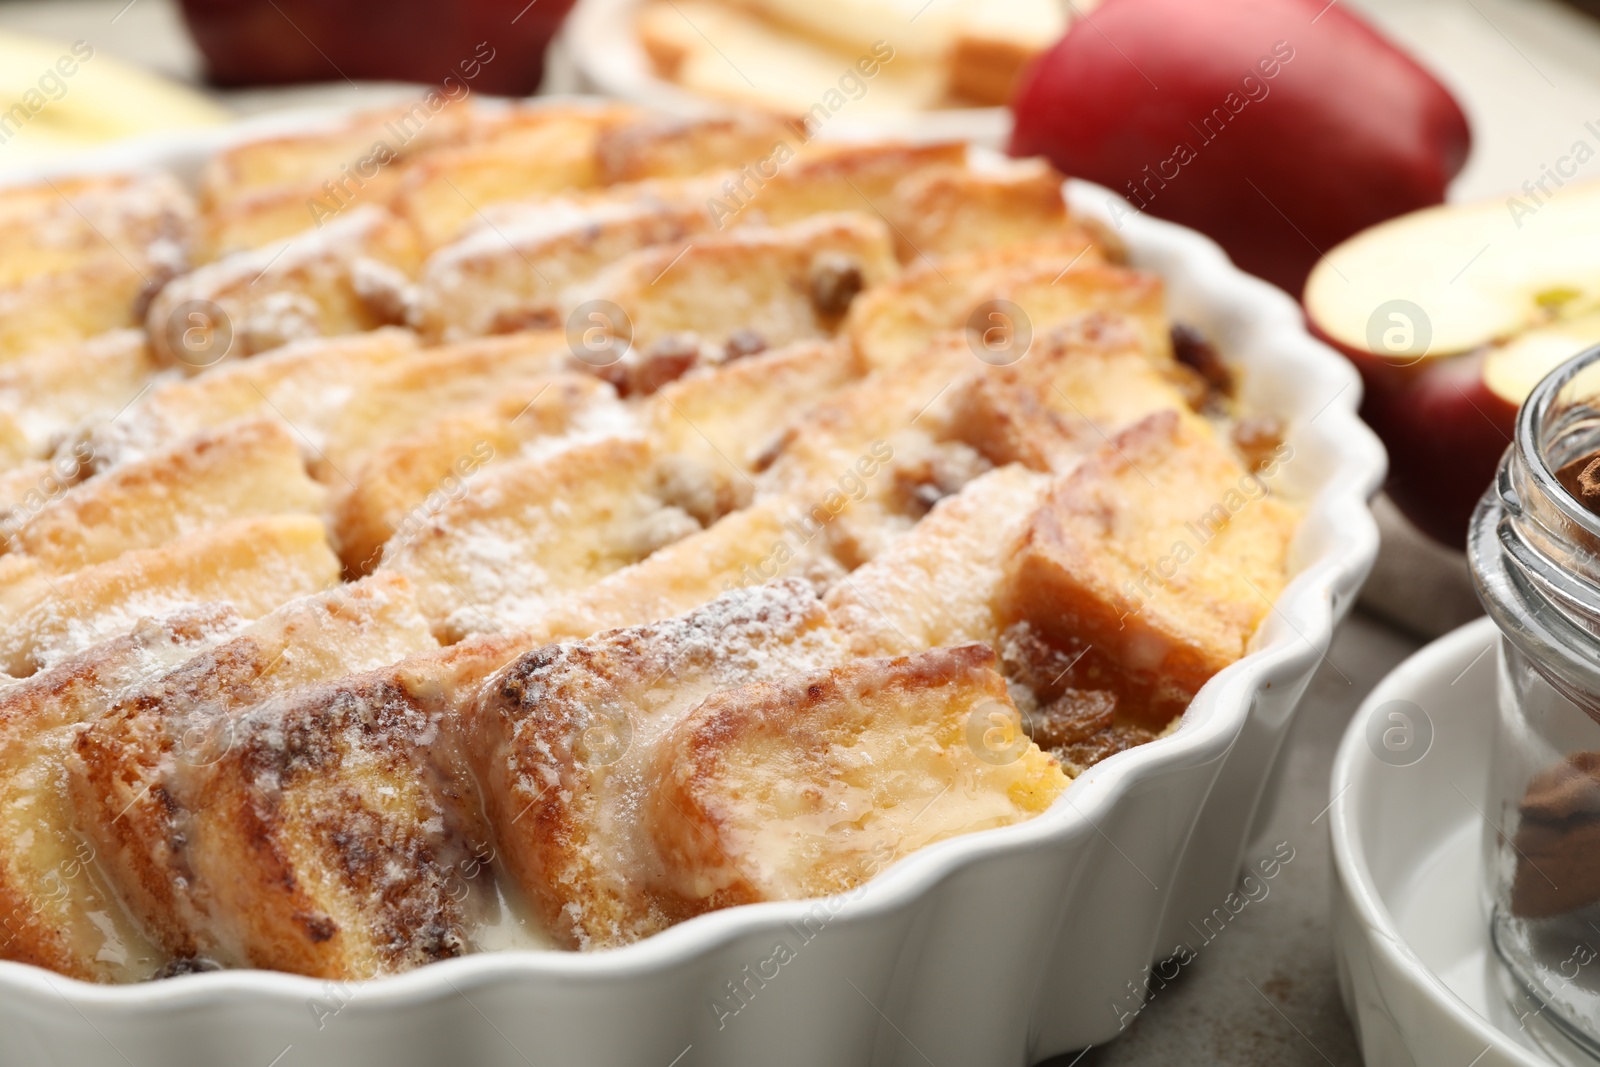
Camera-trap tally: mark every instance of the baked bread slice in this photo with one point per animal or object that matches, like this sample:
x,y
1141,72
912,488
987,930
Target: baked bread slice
x,y
793,283
530,530
46,396
563,739
306,385
812,783
873,456
826,177
245,468
879,452
253,564
1051,285
1161,553
337,835
521,153
944,210
407,395
132,797
349,276
267,189
1076,387
765,541
720,423
511,272
992,50
754,62
81,256
940,583
662,146
298,161
60,910
395,487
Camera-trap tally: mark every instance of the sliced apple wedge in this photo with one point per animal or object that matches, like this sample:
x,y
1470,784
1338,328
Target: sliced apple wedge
x,y
1512,369
1479,272
1452,315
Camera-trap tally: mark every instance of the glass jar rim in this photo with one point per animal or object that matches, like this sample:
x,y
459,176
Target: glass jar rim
x,y
1527,552
1528,438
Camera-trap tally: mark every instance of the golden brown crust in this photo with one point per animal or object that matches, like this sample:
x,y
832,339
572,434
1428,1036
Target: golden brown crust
x,y
1074,389
1051,285
129,768
670,147
43,397
51,889
251,467
1161,552
397,485
951,209
532,529
264,190
301,161
350,276
986,69
336,833
82,256
521,153
253,564
560,738
811,784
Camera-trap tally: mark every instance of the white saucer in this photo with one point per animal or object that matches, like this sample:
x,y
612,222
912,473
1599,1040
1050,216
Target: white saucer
x,y
1416,969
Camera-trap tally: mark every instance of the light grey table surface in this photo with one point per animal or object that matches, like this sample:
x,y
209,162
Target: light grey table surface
x,y
1528,72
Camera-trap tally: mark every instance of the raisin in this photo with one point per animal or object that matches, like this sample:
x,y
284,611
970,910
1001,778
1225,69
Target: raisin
x,y
835,282
1074,717
1193,350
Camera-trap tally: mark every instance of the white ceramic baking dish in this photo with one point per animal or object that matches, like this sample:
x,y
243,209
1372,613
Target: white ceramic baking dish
x,y
1000,948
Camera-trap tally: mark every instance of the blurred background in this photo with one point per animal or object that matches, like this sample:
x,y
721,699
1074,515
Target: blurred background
x,y
1525,71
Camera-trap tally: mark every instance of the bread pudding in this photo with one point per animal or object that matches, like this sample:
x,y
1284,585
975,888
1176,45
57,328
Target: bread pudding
x,y
575,528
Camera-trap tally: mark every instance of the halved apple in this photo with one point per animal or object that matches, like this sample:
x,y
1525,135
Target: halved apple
x,y
1452,314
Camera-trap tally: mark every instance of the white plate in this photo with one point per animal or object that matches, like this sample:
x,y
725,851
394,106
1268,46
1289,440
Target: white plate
x,y
599,43
992,950
1416,968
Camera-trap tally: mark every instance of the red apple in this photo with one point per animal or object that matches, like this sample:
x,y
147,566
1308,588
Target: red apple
x,y
1452,314
491,46
1278,127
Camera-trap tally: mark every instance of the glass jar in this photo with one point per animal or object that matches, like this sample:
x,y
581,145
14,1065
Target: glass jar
x,y
1534,548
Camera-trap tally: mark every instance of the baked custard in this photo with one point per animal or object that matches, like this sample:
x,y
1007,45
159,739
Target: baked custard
x,y
567,528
